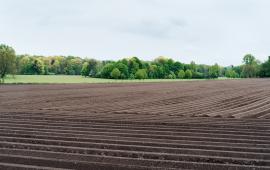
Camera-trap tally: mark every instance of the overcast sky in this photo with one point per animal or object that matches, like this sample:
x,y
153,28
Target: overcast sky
x,y
206,31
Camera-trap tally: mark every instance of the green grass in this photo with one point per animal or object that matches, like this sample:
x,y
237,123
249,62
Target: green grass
x,y
45,79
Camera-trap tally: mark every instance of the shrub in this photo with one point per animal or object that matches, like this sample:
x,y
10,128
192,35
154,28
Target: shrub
x,y
141,74
181,74
188,74
115,74
171,75
85,69
197,75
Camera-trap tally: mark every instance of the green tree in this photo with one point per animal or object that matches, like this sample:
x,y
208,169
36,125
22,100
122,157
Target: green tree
x,y
62,64
7,61
181,74
85,69
76,65
93,67
72,65
193,66
25,65
115,74
188,74
230,73
171,75
134,64
237,69
250,67
55,66
198,75
141,74
164,65
46,62
161,60
170,65
46,70
106,70
90,68
203,69
153,71
249,59
214,71
123,69
161,67
177,66
161,71
265,68
38,66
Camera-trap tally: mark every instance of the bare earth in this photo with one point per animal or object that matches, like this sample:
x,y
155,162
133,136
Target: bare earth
x,y
177,125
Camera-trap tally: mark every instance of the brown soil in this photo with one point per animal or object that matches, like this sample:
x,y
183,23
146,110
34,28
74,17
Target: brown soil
x,y
179,125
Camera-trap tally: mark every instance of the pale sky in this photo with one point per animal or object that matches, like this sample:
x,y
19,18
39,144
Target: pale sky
x,y
205,31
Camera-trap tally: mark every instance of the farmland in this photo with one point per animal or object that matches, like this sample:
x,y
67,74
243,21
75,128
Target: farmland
x,y
218,124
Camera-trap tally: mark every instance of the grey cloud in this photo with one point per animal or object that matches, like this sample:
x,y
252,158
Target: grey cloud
x,y
154,28
206,31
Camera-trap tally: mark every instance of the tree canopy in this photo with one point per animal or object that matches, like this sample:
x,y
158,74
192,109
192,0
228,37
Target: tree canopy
x,y
115,74
127,68
7,61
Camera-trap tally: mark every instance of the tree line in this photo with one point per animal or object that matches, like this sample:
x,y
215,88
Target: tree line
x,y
127,68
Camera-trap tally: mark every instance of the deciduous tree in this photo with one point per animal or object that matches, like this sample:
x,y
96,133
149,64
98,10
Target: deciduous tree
x,y
188,74
265,68
7,61
250,67
115,74
214,71
141,74
181,74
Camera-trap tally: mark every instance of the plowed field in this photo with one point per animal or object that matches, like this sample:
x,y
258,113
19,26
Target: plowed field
x,y
178,125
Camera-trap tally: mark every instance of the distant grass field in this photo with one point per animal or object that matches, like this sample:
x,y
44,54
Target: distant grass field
x,y
43,79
